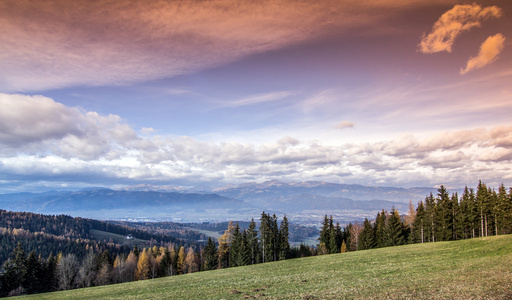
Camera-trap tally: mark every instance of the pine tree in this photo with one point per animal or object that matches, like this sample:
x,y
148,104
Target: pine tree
x,y
505,209
430,218
50,279
14,270
325,232
252,242
234,248
380,229
165,268
443,215
482,200
284,245
367,236
33,276
394,229
210,253
454,213
419,224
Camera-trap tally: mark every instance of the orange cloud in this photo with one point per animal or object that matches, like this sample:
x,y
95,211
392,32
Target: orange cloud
x,y
452,23
489,51
54,44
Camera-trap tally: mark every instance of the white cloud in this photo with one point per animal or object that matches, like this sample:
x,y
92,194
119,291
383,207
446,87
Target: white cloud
x,y
37,124
489,51
452,23
258,99
105,150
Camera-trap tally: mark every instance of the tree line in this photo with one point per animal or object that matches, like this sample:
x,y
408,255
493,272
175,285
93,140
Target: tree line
x,y
22,274
60,233
443,217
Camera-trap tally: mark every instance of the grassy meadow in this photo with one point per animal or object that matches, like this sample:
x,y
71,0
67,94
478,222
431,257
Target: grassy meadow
x,y
469,269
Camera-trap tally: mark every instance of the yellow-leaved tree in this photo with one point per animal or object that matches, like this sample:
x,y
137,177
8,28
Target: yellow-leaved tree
x,y
143,266
180,264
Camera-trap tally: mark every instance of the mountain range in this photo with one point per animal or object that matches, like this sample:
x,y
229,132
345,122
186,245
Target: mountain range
x,y
301,201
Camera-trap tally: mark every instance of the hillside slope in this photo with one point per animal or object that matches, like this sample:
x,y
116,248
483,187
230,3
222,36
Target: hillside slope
x,y
469,269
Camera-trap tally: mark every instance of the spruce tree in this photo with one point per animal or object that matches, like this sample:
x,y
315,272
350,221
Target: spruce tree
x,y
284,244
14,270
367,236
210,253
325,232
234,249
419,224
252,242
394,229
380,229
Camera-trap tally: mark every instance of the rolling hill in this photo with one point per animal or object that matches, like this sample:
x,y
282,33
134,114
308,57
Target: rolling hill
x,y
469,269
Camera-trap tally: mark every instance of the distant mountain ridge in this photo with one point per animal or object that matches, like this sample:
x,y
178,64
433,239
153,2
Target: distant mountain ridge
x,y
241,202
356,192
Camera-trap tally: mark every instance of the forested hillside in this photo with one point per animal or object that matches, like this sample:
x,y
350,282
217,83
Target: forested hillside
x,y
476,213
48,234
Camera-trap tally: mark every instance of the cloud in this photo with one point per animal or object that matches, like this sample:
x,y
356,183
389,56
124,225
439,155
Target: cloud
x,y
452,23
80,147
489,51
54,44
39,125
257,99
345,124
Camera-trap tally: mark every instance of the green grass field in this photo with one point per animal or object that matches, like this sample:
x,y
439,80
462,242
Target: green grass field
x,y
471,269
116,238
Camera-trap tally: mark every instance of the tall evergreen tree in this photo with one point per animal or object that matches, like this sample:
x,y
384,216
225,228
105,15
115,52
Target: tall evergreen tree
x,y
367,236
430,218
252,242
235,247
443,215
394,229
419,224
284,244
14,270
325,232
380,229
210,253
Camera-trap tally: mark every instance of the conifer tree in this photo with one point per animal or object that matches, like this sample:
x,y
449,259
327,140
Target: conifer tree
x,y
380,229
33,276
165,268
284,245
394,229
252,242
234,247
210,253
14,270
367,236
443,215
430,218
419,224
325,232
482,199
50,280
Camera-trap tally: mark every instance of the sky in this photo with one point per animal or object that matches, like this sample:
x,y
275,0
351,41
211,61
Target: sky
x,y
210,93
